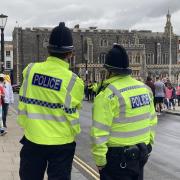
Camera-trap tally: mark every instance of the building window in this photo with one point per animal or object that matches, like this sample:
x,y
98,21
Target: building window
x,y
8,53
166,58
90,53
104,43
8,64
159,54
135,73
149,58
130,59
102,58
138,59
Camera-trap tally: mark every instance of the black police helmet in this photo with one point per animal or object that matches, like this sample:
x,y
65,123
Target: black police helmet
x,y
117,60
60,40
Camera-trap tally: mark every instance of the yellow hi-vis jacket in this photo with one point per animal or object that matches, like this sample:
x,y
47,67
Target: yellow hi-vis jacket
x,y
95,87
49,99
123,115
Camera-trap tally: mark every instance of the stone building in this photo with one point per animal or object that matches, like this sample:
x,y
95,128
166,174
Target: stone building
x,y
178,54
148,51
8,56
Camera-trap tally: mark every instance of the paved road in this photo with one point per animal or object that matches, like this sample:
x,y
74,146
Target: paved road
x,y
164,161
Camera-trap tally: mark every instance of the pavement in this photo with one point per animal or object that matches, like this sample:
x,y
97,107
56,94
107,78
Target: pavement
x,y
175,112
10,148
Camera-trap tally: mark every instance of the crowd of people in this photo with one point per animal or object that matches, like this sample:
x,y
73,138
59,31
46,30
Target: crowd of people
x,y
7,97
165,94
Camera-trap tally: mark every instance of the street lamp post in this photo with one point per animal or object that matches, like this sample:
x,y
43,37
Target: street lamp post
x,y
170,56
82,56
3,20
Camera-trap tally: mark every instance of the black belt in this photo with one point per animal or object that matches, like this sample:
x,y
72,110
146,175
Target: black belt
x,y
138,151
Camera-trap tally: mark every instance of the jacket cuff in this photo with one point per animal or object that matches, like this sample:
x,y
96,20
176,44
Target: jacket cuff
x,y
100,161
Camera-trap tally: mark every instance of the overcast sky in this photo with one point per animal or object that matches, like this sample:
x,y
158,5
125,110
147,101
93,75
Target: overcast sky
x,y
117,14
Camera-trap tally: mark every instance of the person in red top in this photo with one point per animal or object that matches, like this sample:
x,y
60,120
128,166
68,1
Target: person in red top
x,y
2,130
170,96
178,94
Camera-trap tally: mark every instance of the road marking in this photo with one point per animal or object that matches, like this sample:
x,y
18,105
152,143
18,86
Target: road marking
x,y
87,166
88,171
76,159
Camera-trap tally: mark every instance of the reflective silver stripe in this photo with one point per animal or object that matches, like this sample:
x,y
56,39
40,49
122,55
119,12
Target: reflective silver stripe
x,y
153,128
100,140
132,87
133,118
153,116
74,122
122,103
25,84
42,116
130,134
21,112
100,126
69,88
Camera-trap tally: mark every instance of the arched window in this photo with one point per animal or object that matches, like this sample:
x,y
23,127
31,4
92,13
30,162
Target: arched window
x,y
102,58
104,43
130,57
159,54
149,58
138,58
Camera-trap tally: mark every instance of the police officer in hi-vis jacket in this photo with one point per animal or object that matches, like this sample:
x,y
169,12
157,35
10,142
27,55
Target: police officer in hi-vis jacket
x,y
49,99
123,121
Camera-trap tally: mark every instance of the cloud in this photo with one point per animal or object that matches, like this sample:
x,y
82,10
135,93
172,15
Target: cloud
x,y
119,14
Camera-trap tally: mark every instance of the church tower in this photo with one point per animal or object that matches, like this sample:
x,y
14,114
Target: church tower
x,y
168,28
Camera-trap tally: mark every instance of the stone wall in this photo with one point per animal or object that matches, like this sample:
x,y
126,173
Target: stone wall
x,y
91,46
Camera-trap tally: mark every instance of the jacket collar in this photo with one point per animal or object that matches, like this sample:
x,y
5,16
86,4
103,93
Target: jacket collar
x,y
58,61
114,78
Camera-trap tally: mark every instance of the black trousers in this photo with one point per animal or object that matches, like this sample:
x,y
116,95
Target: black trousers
x,y
114,170
57,159
5,107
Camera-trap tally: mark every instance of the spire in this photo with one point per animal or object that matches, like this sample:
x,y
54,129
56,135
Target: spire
x,y
168,27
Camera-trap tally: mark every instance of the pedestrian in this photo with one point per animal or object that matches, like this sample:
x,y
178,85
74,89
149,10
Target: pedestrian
x,y
2,130
49,99
178,94
170,96
123,121
8,98
90,86
159,94
94,89
151,85
86,90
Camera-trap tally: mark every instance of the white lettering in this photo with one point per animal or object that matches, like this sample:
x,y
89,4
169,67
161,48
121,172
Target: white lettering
x,y
36,78
57,84
46,81
52,83
41,79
